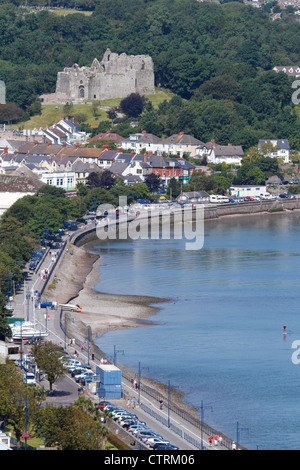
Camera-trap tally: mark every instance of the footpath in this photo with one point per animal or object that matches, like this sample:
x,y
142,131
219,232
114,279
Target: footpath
x,y
176,428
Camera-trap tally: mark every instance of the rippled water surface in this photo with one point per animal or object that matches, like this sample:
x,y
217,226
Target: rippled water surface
x,y
220,338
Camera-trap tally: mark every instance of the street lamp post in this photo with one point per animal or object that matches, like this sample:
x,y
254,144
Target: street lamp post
x,y
97,436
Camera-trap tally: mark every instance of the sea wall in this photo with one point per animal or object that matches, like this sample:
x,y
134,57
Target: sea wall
x,y
211,211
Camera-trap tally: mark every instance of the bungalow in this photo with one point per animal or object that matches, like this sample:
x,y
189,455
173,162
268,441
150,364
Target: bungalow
x,y
194,197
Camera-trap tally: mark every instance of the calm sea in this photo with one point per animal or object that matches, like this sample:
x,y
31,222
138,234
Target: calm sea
x,y
220,339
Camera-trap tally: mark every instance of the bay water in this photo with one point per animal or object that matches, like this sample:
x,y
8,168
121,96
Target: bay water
x,y
220,338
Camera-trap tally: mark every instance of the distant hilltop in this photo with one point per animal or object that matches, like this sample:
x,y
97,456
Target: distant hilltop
x,y
116,76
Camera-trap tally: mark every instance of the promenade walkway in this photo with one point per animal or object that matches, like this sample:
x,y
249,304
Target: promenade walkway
x,y
178,430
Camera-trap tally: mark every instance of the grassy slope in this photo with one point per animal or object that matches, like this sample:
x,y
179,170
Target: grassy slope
x,y
53,113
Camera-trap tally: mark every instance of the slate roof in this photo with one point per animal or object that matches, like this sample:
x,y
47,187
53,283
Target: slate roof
x,y
282,144
182,139
19,184
228,151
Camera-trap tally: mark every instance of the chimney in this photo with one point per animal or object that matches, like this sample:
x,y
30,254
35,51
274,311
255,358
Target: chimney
x,y
105,147
120,150
35,142
144,132
5,150
213,141
145,157
49,142
77,145
132,154
229,145
64,144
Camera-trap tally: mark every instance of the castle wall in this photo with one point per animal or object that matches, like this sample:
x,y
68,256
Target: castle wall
x,y
116,76
2,92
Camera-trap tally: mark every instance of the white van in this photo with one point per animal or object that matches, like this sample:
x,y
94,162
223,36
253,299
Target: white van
x,y
29,378
217,198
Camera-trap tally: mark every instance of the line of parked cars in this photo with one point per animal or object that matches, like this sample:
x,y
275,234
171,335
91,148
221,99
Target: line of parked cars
x,y
139,429
82,374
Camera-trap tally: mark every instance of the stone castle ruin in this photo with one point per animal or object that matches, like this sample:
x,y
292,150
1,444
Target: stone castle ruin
x,y
116,76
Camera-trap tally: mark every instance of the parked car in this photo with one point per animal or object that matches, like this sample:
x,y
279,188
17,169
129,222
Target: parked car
x,y
88,379
164,447
102,404
80,370
84,375
151,441
248,198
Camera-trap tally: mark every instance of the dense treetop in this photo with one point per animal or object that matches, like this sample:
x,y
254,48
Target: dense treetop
x,y
219,57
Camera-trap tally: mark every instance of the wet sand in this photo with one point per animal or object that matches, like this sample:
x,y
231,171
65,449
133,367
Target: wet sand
x,y
77,273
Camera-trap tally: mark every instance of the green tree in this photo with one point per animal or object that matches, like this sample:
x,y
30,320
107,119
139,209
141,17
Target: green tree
x,y
132,105
17,401
48,358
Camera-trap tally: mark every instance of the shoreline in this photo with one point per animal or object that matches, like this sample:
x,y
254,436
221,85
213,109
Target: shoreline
x,y
103,312
78,273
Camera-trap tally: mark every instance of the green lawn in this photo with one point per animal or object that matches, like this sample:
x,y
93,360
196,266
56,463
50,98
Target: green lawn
x,y
69,11
53,113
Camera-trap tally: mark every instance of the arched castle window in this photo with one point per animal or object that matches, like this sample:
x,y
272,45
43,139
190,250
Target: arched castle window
x,y
103,68
108,58
143,65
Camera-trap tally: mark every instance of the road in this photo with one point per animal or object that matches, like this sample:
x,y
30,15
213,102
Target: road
x,y
178,431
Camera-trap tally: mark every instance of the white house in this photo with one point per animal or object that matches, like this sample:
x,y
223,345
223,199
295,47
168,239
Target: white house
x,y
282,148
60,179
214,153
142,141
180,144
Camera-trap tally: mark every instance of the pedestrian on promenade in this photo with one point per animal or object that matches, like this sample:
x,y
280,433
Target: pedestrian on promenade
x,y
82,346
128,403
160,404
210,440
216,439
233,446
220,440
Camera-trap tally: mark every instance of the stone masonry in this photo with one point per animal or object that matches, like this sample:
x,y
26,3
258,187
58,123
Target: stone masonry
x,y
116,76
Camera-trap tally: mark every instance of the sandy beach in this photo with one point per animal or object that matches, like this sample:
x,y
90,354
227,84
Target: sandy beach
x,y
76,275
